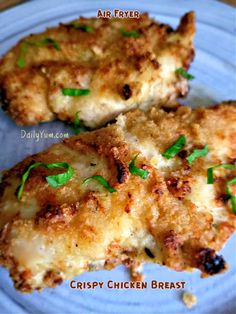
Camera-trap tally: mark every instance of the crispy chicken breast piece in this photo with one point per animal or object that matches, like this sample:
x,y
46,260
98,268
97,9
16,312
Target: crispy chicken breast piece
x,y
121,72
173,217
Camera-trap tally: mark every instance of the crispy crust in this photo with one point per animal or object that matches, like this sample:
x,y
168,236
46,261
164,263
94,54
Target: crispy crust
x,y
122,73
53,234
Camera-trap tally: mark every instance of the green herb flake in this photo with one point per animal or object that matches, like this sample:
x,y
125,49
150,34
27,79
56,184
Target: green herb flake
x,y
197,153
77,123
75,92
175,148
137,171
134,34
82,27
184,73
210,176
77,128
102,181
53,180
25,45
210,180
21,58
232,196
46,42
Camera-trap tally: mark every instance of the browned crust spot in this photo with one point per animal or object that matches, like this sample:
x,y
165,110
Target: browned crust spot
x,y
62,214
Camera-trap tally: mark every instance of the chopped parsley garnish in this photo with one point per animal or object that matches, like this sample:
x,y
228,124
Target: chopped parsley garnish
x,y
197,153
75,92
210,177
82,27
77,127
232,196
46,42
25,45
175,148
21,58
184,73
210,180
102,181
77,123
134,34
137,171
53,180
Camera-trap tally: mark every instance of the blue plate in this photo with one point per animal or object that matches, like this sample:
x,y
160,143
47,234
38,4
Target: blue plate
x,y
214,69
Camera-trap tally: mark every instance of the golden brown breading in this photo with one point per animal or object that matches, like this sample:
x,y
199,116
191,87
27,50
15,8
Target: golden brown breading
x,y
121,72
173,217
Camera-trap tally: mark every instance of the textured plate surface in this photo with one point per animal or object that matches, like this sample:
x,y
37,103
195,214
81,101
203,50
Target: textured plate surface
x,y
215,71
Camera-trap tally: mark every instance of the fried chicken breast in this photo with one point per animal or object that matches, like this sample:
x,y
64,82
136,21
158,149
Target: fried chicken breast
x,y
171,217
121,63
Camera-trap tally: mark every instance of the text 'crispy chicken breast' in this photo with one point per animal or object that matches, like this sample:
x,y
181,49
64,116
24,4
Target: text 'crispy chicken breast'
x,y
171,217
121,63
